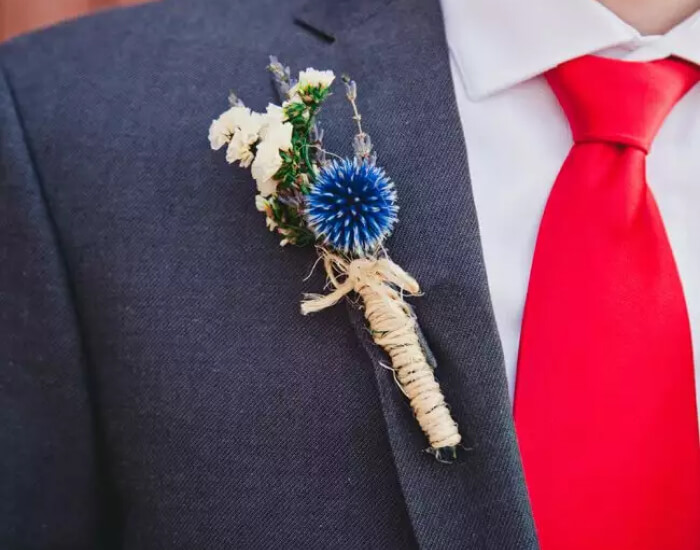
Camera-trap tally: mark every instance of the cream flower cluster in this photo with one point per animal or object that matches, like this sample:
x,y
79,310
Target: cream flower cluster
x,y
311,78
241,129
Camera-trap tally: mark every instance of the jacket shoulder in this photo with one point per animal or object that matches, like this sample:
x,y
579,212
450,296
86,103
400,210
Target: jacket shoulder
x,y
115,107
138,32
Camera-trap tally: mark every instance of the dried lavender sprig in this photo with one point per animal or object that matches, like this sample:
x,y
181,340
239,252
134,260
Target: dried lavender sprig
x,y
281,77
291,198
361,143
234,100
316,143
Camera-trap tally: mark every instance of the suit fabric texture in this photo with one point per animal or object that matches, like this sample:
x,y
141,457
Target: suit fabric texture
x,y
158,385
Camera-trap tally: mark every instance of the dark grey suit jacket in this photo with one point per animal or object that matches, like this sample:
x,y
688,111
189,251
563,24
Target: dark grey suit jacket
x,y
158,385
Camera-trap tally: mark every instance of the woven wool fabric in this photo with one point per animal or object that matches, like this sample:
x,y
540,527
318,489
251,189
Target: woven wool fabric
x,y
146,400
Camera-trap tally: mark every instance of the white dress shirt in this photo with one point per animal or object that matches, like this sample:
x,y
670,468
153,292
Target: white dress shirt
x,y
517,136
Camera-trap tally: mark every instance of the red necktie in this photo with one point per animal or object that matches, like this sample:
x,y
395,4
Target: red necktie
x,y
605,403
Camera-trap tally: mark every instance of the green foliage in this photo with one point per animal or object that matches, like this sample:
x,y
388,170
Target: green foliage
x,y
289,223
298,169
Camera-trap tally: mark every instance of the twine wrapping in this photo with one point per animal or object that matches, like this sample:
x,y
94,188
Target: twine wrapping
x,y
381,284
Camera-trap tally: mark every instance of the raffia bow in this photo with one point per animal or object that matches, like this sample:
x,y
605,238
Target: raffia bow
x,y
381,284
358,274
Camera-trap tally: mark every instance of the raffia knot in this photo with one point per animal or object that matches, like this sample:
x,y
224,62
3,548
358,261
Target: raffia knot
x,y
354,275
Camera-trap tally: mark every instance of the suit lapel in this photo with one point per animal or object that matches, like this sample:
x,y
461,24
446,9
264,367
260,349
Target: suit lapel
x,y
396,52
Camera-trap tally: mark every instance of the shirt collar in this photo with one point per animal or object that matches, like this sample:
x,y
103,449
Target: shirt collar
x,y
499,43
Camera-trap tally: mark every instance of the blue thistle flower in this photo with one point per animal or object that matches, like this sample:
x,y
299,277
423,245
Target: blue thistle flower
x,y
352,206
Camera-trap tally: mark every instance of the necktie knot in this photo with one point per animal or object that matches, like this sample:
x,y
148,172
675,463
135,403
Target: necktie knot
x,y
614,101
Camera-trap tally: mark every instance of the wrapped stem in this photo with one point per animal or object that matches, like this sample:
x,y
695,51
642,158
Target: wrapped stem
x,y
381,283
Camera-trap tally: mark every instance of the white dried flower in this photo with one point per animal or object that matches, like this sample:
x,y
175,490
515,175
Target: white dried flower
x,y
239,149
250,122
268,187
266,164
242,128
248,126
311,78
274,114
276,136
295,98
279,135
261,203
218,137
222,129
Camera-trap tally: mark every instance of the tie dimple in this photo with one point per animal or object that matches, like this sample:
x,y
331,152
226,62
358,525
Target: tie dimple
x,y
608,100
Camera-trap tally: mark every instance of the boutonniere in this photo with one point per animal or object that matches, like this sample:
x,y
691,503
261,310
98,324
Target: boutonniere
x,y
346,207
